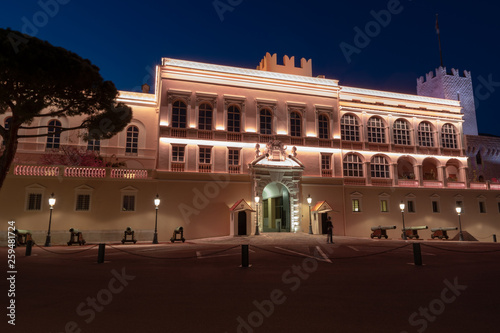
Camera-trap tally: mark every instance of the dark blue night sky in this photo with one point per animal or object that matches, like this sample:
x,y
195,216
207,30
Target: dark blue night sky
x,y
126,39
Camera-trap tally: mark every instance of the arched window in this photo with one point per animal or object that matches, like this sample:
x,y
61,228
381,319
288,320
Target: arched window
x,y
266,122
448,136
425,135
295,124
233,119
205,117
379,167
401,132
53,135
132,140
479,159
324,132
353,166
179,111
6,126
376,130
349,128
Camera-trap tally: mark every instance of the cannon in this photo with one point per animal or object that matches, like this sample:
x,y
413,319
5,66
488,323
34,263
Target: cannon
x,y
412,232
23,237
76,237
126,233
381,231
179,231
441,232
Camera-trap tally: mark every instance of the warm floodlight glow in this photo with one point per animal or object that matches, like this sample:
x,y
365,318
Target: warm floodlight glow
x,y
52,200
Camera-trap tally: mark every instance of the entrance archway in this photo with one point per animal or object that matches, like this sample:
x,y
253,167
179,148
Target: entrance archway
x,y
276,215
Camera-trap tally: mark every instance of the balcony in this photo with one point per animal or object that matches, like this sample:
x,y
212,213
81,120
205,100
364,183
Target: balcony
x,y
433,183
206,135
326,173
178,132
478,186
78,172
204,167
177,167
354,181
234,137
381,182
296,141
407,183
234,169
455,184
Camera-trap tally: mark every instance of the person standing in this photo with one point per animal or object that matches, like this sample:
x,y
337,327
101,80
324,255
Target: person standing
x,y
329,230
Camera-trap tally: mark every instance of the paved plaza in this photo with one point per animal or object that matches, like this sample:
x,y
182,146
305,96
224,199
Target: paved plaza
x,y
296,283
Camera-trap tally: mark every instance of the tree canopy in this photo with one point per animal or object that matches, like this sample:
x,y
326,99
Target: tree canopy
x,y
38,80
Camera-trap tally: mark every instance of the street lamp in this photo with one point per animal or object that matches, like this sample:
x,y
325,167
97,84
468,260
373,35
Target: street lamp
x,y
309,201
157,203
257,199
52,202
459,210
402,207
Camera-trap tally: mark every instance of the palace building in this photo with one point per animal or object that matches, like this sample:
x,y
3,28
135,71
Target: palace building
x,y
211,139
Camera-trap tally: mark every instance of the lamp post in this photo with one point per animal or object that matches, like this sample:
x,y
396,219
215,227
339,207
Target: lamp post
x,y
257,199
459,210
52,202
309,200
157,203
402,207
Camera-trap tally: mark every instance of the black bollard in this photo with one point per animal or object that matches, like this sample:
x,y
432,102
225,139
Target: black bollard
x,y
244,255
417,254
100,254
29,244
494,238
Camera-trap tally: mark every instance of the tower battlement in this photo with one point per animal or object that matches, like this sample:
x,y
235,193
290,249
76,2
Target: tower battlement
x,y
441,72
452,85
270,64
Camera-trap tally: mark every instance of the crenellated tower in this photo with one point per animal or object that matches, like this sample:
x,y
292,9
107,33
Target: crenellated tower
x,y
452,85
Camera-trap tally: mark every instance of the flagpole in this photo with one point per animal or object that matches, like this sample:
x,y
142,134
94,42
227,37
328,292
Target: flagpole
x,y
439,40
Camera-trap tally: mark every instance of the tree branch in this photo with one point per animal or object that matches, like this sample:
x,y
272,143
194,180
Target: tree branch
x,y
59,130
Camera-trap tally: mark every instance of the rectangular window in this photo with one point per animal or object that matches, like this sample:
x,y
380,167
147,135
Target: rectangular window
x,y
411,206
128,204
499,207
94,145
435,207
82,202
178,153
205,155
326,162
34,201
355,205
383,206
234,157
482,207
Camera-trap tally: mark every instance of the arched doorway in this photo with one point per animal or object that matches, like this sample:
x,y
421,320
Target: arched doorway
x,y
276,208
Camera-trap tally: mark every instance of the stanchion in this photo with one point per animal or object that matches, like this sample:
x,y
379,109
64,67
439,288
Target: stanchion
x,y
494,238
100,254
244,256
29,244
417,254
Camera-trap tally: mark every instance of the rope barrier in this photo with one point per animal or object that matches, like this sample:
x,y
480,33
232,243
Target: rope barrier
x,y
302,256
188,257
370,254
460,251
73,252
485,237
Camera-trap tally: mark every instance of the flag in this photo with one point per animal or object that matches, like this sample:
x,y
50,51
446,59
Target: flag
x,y
437,24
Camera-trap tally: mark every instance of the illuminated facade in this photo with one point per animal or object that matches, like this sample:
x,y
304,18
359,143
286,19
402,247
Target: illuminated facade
x,y
211,138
